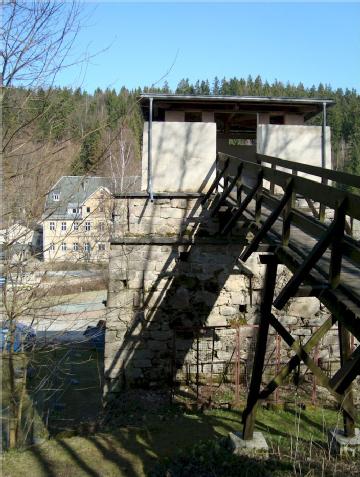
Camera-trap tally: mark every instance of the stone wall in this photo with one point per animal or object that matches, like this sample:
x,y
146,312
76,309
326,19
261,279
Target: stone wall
x,y
171,275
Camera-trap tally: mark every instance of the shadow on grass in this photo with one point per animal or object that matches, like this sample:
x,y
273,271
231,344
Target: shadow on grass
x,y
150,442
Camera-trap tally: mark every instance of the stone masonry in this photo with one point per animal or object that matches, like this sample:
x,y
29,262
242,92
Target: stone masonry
x,y
171,273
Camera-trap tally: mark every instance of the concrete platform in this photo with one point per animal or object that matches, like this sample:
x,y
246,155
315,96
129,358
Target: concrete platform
x,y
342,445
257,446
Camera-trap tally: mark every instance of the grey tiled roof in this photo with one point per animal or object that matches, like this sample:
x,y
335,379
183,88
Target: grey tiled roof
x,y
74,190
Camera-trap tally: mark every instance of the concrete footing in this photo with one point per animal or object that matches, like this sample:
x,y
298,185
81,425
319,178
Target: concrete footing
x,y
342,445
256,446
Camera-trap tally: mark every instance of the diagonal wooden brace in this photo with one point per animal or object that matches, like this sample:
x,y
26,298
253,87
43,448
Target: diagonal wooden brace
x,y
238,212
217,179
296,280
302,354
268,223
227,191
347,373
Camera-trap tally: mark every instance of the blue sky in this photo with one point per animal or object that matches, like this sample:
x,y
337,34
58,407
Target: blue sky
x,y
308,42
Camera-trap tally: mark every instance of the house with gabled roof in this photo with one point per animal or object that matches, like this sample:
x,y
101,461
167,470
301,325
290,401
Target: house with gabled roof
x,y
77,218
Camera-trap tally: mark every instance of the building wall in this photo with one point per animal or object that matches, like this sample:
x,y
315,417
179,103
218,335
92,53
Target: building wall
x,y
183,156
100,213
167,274
294,143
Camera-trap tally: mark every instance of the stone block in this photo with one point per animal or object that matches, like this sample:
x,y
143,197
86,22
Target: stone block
x,y
305,307
216,320
180,203
254,447
302,332
288,320
228,310
341,445
172,213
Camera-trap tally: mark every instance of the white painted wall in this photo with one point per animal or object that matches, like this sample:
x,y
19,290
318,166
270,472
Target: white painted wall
x,y
294,143
183,156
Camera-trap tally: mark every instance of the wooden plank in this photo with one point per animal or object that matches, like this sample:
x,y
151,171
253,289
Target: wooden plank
x,y
268,224
226,191
324,194
293,284
336,247
302,354
249,413
238,212
334,300
336,176
347,373
216,182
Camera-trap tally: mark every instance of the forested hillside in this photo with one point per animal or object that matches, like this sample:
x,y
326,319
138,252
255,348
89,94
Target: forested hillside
x,y
48,133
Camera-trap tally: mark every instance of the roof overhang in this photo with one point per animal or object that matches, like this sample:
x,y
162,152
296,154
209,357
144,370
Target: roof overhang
x,y
231,104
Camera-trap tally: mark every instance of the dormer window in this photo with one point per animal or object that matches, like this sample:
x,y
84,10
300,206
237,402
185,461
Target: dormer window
x,y
56,196
74,210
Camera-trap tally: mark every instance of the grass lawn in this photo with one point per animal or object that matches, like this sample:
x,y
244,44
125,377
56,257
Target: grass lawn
x,y
140,437
144,431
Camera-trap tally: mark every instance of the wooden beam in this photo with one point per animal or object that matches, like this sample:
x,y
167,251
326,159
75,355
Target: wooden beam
x,y
249,413
238,212
267,224
302,354
336,246
345,352
216,182
293,284
349,370
226,191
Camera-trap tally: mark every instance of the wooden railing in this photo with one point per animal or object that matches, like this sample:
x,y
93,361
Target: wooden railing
x,y
240,190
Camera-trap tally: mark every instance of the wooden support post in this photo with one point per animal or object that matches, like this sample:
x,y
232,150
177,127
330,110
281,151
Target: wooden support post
x,y
216,182
249,413
336,247
272,183
345,352
287,215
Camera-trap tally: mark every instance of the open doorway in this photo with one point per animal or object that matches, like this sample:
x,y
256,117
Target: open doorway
x,y
236,134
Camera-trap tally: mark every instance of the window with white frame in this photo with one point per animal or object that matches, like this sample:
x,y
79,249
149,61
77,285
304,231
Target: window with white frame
x,y
101,247
76,226
52,247
75,246
101,226
63,226
87,226
52,226
88,210
86,247
56,196
63,246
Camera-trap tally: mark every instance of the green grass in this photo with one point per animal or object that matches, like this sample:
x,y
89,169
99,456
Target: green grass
x,y
145,435
135,442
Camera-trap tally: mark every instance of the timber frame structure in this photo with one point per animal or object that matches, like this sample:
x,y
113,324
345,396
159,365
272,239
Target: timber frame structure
x,y
320,252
